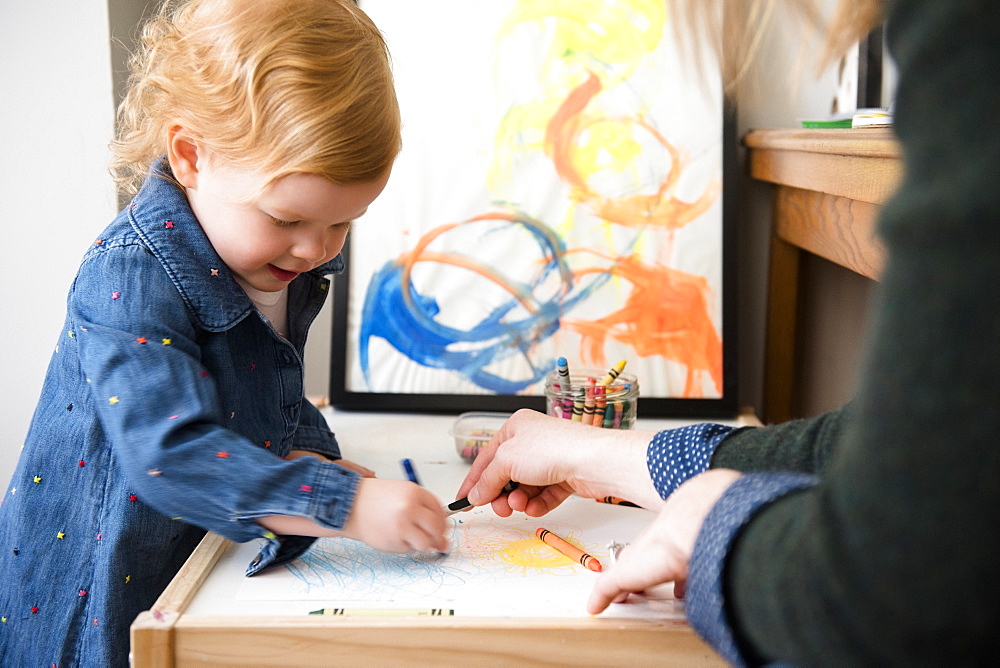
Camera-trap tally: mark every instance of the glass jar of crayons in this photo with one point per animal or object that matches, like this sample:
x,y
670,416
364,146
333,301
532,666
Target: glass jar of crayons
x,y
602,398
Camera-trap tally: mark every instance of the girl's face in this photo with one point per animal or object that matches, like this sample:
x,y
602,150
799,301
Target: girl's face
x,y
296,224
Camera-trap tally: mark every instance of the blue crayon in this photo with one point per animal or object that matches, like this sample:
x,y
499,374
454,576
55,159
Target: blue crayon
x,y
562,367
411,473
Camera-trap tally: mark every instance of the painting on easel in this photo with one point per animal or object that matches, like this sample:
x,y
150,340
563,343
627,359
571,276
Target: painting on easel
x,y
562,191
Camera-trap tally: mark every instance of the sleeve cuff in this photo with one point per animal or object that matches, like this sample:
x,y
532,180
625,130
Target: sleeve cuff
x,y
704,601
328,502
278,550
674,455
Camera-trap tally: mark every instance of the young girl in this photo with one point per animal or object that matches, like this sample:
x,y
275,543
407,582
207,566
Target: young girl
x,y
174,400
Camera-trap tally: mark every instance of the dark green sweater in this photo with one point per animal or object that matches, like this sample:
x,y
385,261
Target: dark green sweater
x,y
892,557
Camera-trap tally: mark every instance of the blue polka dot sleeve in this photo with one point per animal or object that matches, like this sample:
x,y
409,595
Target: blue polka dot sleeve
x,y
674,455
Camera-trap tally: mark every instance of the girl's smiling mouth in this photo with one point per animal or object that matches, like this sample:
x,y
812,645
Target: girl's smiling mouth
x,y
281,274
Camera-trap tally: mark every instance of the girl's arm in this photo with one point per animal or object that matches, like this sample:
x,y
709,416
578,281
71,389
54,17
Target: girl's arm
x,y
389,515
160,408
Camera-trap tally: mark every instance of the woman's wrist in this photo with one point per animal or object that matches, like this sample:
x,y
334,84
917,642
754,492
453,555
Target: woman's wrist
x,y
615,465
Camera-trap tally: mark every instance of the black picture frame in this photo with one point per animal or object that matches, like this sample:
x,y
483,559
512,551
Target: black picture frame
x,y
870,69
343,397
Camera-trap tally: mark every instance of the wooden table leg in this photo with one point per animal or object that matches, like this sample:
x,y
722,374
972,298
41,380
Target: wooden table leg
x,y
780,349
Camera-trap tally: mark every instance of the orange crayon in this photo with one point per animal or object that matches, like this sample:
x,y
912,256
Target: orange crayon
x,y
616,501
600,406
571,551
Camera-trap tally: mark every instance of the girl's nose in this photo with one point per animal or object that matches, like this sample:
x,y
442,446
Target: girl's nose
x,y
310,247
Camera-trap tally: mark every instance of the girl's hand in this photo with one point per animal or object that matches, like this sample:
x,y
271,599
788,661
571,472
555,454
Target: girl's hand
x,y
552,458
363,471
663,550
396,516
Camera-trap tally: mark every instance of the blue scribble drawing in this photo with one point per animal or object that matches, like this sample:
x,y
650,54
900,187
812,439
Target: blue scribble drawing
x,y
357,571
487,552
496,568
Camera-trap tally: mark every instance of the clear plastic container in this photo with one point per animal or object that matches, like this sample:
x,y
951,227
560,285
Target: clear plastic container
x,y
613,406
472,431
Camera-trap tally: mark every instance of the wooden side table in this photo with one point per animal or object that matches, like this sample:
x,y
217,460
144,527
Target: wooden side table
x,y
829,186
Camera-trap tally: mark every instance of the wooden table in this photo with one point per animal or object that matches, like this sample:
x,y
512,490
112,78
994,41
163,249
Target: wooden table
x,y
829,185
197,621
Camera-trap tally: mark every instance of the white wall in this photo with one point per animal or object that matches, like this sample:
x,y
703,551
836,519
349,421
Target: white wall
x,y
56,118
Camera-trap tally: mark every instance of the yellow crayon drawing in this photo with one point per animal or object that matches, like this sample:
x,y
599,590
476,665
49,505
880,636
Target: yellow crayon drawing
x,y
490,544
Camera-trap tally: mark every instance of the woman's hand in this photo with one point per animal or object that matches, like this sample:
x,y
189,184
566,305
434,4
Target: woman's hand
x,y
663,550
552,458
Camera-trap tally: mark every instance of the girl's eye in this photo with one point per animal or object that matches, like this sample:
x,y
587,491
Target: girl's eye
x,y
282,223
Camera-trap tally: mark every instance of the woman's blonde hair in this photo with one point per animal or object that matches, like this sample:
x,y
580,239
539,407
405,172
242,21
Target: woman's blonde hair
x,y
735,28
279,86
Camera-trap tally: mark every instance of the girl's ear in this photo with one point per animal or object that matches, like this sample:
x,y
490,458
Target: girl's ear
x,y
183,154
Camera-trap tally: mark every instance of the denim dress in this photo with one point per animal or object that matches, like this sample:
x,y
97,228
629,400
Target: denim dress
x,y
166,410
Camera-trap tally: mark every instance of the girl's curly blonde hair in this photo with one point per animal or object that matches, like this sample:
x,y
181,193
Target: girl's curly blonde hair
x,y
280,86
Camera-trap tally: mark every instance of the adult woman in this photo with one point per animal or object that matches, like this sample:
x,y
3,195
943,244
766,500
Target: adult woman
x,y
861,536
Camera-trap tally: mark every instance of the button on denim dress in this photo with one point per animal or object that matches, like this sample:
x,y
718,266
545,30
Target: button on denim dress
x,y
166,409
